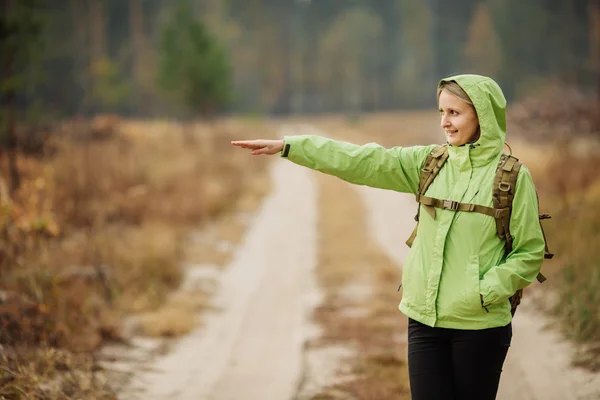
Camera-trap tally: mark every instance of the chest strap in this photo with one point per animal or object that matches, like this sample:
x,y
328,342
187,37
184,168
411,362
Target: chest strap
x,y
456,206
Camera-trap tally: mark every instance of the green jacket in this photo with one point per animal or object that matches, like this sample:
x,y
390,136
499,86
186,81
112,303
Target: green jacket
x,y
457,256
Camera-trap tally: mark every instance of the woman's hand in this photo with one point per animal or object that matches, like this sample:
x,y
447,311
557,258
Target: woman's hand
x,y
260,146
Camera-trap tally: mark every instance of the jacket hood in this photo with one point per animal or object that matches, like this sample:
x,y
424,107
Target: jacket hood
x,y
490,104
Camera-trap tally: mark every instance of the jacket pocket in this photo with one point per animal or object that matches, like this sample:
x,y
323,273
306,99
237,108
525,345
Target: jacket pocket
x,y
471,293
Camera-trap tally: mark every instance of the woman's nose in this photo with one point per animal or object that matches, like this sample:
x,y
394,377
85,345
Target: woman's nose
x,y
444,122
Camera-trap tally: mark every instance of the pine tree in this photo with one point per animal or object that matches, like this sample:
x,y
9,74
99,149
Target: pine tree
x,y
20,33
193,68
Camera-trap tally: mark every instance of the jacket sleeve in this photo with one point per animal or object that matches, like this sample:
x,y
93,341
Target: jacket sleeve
x,y
397,168
525,260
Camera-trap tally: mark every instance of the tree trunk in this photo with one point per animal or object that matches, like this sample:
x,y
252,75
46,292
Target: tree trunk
x,y
12,143
136,25
594,13
97,43
80,38
8,103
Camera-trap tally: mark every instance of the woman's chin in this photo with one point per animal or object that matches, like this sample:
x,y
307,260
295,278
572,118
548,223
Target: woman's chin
x,y
453,141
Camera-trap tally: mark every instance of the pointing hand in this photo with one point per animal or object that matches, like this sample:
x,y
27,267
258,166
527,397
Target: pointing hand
x,y
260,146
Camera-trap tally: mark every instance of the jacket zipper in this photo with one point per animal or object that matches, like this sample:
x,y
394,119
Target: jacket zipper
x,y
484,307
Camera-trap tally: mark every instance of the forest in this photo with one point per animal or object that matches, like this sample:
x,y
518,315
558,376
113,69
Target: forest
x,y
301,56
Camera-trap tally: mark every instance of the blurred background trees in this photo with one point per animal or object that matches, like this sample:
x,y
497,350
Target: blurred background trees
x,y
193,69
20,39
294,56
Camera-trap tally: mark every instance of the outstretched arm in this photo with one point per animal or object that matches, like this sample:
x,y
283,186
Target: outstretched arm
x,y
372,165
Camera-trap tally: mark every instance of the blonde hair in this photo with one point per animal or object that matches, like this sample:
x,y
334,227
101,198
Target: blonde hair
x,y
454,89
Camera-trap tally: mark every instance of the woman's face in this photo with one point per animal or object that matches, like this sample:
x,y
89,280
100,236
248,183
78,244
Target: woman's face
x,y
459,119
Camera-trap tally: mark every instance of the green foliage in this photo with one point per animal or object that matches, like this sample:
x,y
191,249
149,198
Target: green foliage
x,y
20,44
350,56
194,69
413,69
540,38
110,89
20,49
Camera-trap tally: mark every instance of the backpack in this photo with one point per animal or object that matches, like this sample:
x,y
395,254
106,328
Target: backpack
x,y
503,193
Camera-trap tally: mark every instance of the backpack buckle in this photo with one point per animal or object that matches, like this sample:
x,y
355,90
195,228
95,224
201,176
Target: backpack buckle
x,y
450,205
503,186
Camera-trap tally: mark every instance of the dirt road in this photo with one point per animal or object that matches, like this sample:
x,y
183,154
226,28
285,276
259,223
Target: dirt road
x,y
252,346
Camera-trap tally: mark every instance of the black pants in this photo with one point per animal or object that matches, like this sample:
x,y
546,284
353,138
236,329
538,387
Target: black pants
x,y
454,364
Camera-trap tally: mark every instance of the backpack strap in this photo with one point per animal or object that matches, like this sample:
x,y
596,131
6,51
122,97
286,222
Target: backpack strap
x,y
434,162
503,193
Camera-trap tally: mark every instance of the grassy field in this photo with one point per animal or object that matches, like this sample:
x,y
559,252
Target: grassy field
x,y
99,230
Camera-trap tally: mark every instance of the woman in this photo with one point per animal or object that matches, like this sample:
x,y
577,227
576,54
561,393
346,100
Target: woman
x,y
457,278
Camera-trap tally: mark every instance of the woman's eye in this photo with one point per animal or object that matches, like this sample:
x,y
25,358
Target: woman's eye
x,y
453,112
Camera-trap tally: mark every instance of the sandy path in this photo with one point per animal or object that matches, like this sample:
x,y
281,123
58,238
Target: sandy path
x,y
252,347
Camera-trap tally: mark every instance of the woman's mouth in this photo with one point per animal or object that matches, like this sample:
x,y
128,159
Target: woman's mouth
x,y
451,133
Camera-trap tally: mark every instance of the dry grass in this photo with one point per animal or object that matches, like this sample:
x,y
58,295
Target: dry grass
x,y
562,127
176,317
570,191
149,259
50,373
100,229
360,306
